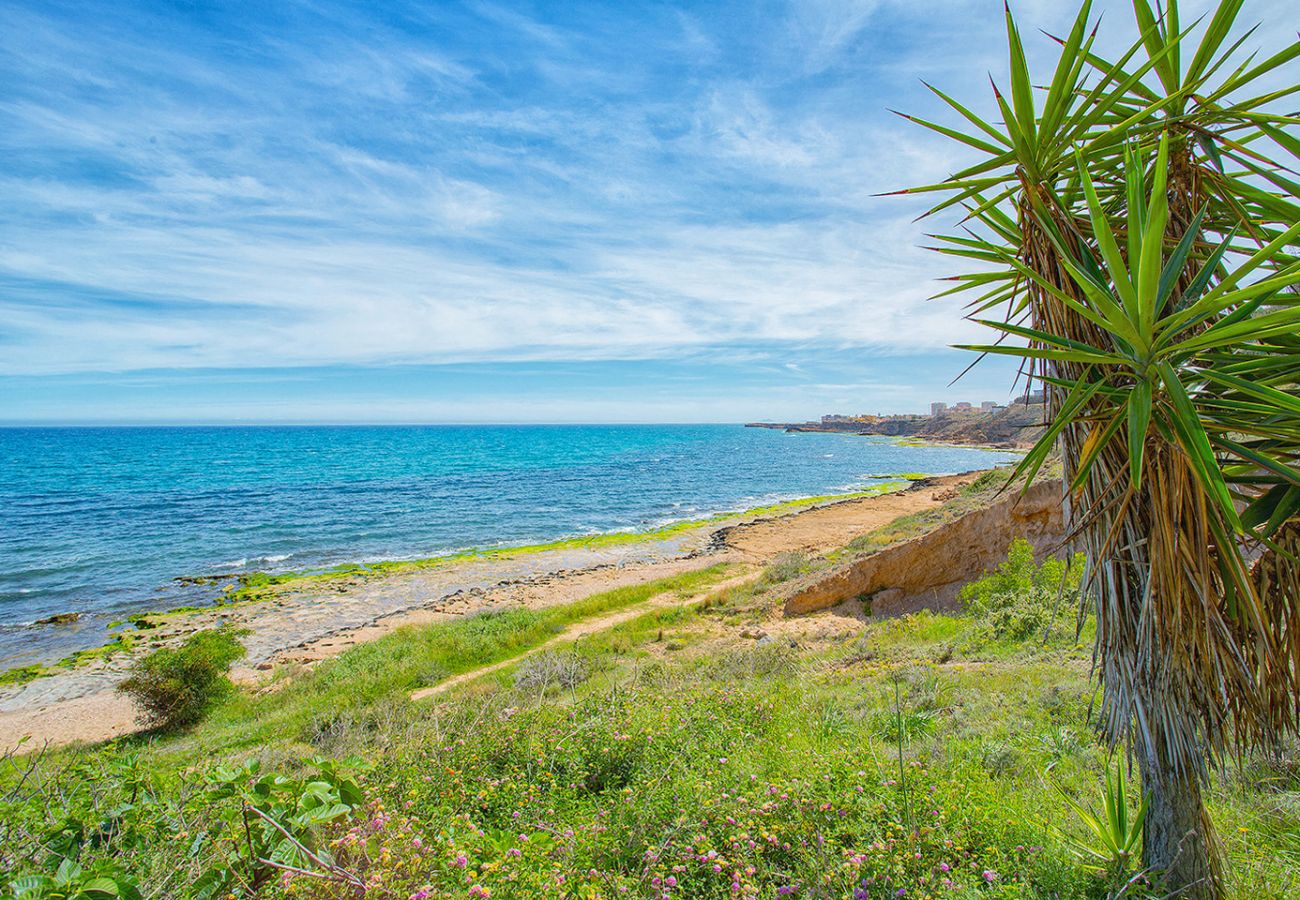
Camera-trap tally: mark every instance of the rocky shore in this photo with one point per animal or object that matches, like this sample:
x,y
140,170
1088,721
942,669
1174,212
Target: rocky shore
x,y
301,622
1007,428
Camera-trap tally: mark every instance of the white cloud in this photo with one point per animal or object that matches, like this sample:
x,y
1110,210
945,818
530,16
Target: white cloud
x,y
353,193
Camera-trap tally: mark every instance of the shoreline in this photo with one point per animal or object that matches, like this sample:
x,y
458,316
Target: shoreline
x,y
301,623
258,586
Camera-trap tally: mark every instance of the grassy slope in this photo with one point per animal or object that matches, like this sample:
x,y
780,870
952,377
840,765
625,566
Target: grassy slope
x,y
694,754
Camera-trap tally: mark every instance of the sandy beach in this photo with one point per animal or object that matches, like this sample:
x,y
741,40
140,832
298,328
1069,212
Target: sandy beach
x,y
314,619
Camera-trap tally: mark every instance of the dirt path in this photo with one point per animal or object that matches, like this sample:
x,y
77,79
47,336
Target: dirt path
x,y
318,620
580,629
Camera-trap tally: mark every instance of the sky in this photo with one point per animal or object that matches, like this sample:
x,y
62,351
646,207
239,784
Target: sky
x,y
335,211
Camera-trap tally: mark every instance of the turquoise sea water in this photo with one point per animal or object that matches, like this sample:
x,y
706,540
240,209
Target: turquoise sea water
x,y
102,520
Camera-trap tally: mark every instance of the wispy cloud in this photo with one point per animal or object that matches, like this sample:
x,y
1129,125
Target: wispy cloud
x,y
341,183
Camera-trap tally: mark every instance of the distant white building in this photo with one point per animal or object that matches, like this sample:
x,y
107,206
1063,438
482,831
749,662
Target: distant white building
x,y
963,407
938,408
988,406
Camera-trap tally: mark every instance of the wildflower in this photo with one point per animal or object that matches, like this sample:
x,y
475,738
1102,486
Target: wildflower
x,y
460,861
990,876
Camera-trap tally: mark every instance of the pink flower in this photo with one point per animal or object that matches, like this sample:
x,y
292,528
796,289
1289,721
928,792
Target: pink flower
x,y
990,876
460,861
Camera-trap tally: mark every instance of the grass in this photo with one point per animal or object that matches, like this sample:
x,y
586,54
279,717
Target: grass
x,y
831,758
392,667
681,747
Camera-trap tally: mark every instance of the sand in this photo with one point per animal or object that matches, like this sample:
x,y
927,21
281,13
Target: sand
x,y
321,619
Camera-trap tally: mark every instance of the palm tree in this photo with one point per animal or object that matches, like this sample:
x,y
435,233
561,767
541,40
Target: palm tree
x,y
1134,229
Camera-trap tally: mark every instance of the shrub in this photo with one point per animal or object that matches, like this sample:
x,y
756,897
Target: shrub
x,y
173,687
784,567
1019,598
542,671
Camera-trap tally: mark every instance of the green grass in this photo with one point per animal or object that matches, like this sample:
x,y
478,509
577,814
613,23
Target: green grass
x,y
887,755
392,667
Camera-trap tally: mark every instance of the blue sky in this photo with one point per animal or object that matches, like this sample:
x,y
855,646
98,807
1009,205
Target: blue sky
x,y
362,211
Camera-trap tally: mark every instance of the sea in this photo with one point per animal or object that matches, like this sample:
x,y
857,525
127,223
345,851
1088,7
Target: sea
x,y
104,521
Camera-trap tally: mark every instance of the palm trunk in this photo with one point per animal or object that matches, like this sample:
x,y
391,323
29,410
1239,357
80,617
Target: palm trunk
x,y
1177,843
1142,592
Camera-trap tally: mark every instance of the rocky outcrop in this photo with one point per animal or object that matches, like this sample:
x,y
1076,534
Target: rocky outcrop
x,y
927,572
1017,425
1014,426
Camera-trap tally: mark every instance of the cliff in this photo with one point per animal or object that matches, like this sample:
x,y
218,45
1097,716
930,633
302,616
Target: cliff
x,y
928,571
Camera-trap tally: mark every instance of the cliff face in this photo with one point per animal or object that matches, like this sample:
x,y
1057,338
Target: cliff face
x,y
927,572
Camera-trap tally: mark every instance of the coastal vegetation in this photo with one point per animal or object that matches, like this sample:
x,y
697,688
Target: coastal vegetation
x,y
1135,227
174,686
669,755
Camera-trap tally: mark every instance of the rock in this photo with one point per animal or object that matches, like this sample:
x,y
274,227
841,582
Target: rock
x,y
885,600
264,666
60,619
756,634
766,639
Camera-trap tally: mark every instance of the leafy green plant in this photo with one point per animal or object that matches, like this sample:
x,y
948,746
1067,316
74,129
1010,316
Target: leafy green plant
x,y
1019,598
69,881
274,825
1115,830
174,686
65,876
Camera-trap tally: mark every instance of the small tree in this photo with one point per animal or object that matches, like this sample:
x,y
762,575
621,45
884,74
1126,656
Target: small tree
x,y
1017,600
173,687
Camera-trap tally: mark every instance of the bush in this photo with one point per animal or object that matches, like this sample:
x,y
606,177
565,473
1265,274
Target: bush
x,y
173,687
1020,597
784,567
542,671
